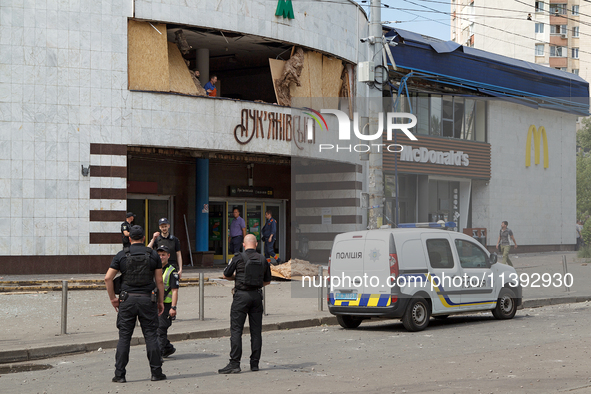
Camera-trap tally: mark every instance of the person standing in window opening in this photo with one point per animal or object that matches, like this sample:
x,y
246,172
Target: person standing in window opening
x,y
269,233
237,232
504,235
210,86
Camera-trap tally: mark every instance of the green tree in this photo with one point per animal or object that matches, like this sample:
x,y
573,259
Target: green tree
x,y
584,171
583,186
584,135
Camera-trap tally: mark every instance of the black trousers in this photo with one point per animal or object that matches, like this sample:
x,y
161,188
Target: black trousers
x,y
235,244
164,322
246,303
137,307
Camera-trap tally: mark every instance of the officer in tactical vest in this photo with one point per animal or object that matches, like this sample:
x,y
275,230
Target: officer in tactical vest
x,y
164,237
140,267
251,272
170,277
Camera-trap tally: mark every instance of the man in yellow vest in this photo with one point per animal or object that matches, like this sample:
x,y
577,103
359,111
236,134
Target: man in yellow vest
x,y
170,277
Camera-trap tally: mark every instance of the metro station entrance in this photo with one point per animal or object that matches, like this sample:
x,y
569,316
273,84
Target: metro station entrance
x,y
253,213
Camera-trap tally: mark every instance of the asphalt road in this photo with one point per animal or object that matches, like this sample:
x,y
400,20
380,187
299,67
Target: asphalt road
x,y
541,350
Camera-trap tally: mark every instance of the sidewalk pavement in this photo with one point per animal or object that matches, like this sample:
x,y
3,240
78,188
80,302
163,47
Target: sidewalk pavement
x,y
31,321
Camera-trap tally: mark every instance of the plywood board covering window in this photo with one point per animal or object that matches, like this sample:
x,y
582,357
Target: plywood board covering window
x,y
147,56
180,76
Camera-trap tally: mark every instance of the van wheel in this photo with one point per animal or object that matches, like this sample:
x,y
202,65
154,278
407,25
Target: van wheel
x,y
416,317
506,305
347,321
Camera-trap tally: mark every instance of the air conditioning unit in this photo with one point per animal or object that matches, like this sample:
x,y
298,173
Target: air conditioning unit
x,y
564,35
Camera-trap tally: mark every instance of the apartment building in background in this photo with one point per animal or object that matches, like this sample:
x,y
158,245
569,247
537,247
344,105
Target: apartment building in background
x,y
555,33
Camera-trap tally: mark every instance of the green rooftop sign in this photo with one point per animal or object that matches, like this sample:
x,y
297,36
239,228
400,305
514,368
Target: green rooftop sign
x,y
285,9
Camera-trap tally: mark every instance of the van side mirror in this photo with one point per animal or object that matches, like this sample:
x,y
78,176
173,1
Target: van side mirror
x,y
493,258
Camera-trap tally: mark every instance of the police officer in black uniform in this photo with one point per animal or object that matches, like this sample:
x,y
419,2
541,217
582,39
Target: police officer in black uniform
x,y
125,228
164,237
140,267
251,272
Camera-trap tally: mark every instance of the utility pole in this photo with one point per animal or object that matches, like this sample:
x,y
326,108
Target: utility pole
x,y
374,98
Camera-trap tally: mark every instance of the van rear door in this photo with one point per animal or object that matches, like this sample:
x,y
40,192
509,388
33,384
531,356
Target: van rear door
x,y
346,264
376,262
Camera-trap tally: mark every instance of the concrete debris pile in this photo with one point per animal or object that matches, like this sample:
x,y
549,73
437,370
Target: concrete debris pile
x,y
181,42
294,269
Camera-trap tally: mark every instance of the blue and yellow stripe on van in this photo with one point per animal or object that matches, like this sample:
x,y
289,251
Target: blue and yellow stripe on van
x,y
443,297
364,300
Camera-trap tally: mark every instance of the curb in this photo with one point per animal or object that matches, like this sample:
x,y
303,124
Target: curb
x,y
12,356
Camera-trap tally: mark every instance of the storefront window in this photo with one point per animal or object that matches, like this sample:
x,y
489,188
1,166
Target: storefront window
x,y
435,116
447,116
423,114
468,127
444,201
407,187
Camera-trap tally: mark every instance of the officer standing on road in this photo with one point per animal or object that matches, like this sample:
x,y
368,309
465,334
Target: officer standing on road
x,y
251,273
125,227
237,232
170,277
164,237
269,232
140,267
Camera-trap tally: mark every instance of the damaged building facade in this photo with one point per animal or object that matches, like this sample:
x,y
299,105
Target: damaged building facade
x,y
101,113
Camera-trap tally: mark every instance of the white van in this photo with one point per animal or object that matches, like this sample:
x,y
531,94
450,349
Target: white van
x,y
415,273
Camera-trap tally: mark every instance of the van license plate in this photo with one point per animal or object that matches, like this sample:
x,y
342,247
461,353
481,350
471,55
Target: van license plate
x,y
345,296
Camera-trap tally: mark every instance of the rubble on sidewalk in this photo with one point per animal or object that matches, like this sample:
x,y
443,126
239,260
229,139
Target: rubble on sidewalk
x,y
294,269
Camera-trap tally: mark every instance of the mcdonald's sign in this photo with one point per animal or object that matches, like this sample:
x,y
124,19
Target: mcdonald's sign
x,y
539,135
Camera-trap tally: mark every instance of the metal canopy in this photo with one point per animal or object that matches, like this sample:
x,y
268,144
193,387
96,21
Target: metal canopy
x,y
489,73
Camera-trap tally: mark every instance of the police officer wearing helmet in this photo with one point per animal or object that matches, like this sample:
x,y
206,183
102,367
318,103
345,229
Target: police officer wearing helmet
x,y
250,271
140,267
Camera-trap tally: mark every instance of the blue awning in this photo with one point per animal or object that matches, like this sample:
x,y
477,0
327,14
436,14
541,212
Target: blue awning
x,y
489,73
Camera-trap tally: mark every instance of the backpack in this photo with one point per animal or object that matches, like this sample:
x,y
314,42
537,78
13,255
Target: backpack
x,y
254,271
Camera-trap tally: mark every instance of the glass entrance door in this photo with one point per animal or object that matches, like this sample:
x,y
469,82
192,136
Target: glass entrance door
x,y
255,221
253,213
279,239
148,210
217,233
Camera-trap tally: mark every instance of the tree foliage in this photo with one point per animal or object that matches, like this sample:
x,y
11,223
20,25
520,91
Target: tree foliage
x,y
584,171
584,136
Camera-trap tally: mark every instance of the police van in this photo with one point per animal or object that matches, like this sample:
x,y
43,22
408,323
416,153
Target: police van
x,y
415,273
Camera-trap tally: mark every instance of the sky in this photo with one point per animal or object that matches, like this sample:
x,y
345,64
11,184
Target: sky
x,y
415,17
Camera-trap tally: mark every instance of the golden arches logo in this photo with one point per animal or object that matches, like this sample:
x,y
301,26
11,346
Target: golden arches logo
x,y
539,135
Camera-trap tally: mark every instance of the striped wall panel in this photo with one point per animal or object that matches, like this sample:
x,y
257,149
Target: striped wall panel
x,y
320,186
108,196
